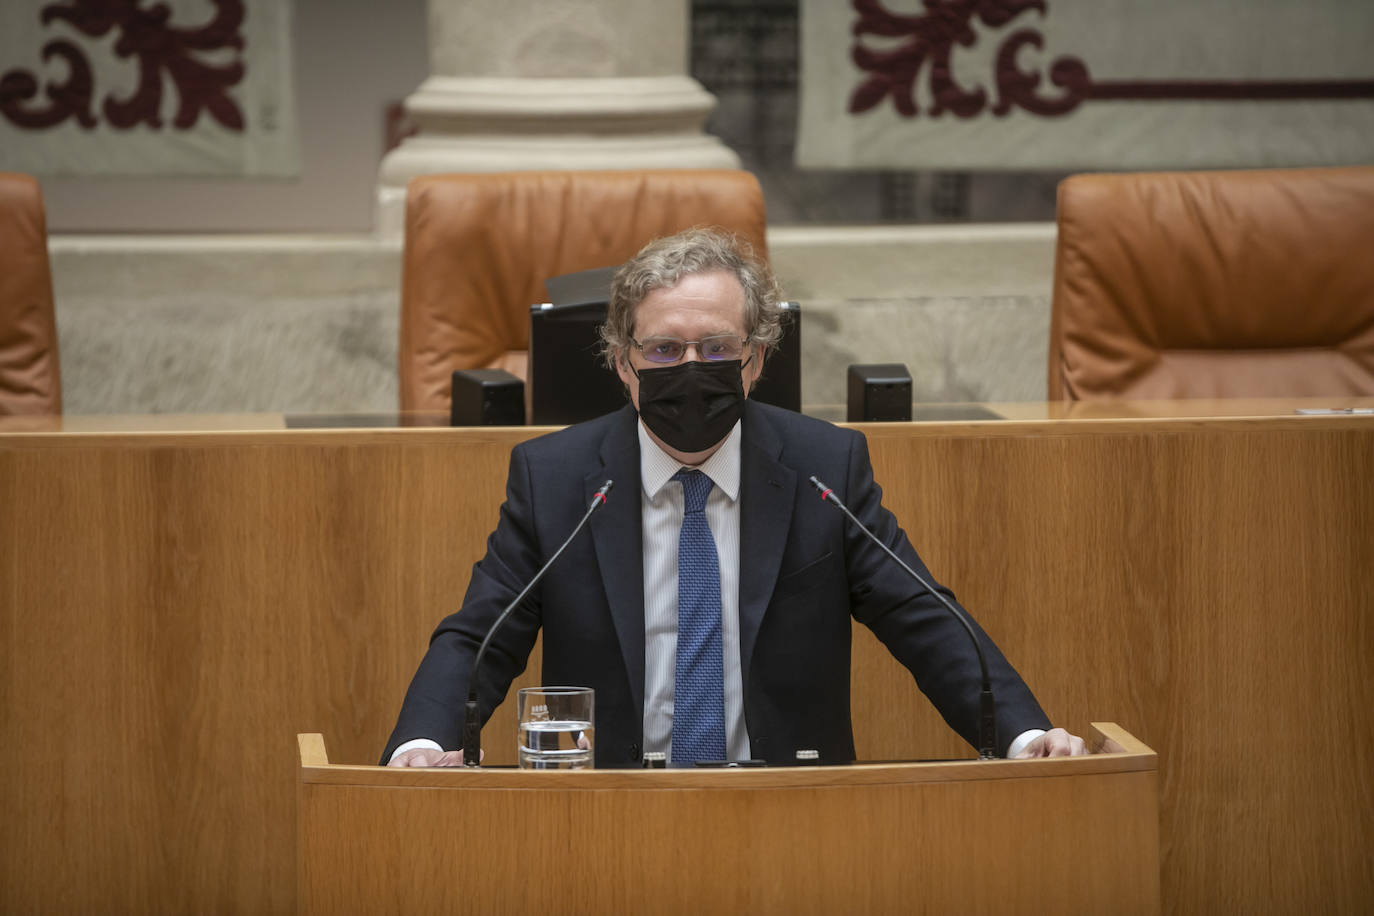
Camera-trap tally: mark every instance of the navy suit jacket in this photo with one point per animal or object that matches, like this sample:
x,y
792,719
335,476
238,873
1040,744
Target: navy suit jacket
x,y
804,570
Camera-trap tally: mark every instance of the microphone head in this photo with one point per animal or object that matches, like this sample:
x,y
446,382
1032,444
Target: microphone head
x,y
827,494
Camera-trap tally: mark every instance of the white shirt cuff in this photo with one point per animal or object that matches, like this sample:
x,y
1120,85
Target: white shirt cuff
x,y
413,743
1018,745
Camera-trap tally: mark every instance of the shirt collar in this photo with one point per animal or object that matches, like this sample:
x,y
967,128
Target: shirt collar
x,y
656,467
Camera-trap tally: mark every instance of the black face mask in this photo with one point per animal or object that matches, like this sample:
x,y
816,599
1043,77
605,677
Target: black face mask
x,y
692,406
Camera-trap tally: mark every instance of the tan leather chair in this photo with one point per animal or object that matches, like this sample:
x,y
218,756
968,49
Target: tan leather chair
x,y
478,248
1214,285
30,379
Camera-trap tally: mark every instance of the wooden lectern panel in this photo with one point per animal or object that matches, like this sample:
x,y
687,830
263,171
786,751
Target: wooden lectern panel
x,y
175,606
1056,836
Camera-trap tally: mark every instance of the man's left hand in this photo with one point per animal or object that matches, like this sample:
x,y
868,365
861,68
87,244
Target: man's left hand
x,y
1056,742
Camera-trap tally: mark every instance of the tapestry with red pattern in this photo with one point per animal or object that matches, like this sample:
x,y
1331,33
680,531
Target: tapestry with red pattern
x,y
1067,84
167,87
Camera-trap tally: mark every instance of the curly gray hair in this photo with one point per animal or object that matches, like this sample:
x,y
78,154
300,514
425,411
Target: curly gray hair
x,y
663,263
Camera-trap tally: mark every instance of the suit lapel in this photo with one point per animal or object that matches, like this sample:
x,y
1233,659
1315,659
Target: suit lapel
x,y
766,500
618,540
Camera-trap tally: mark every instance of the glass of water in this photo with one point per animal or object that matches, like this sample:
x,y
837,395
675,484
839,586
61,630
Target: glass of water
x,y
556,728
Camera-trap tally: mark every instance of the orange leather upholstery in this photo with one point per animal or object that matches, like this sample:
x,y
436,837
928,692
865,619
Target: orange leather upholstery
x,y
478,248
30,379
1214,284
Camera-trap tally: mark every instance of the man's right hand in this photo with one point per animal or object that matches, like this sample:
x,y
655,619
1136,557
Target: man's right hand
x,y
428,757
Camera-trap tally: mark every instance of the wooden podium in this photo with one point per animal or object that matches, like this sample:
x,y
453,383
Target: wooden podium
x,y
1063,835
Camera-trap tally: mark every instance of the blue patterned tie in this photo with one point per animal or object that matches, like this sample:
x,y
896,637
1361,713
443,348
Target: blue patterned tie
x,y
698,685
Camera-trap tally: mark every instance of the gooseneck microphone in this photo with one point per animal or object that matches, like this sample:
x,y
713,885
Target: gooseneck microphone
x,y
472,720
987,707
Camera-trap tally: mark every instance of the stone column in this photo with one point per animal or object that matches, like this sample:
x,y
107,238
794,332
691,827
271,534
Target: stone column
x,y
553,84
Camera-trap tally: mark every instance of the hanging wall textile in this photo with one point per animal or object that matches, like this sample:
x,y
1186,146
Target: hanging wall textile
x,y
1086,84
172,87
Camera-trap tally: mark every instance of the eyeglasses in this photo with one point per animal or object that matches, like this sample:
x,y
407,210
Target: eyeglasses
x,y
672,349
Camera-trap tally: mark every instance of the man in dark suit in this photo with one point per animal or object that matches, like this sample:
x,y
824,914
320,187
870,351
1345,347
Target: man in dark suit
x,y
709,604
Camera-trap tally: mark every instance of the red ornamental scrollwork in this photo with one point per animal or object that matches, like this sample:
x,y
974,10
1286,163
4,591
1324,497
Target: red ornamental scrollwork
x,y
931,39
157,46
67,99
1016,87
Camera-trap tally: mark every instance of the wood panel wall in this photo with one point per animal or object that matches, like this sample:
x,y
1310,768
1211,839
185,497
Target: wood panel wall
x,y
177,607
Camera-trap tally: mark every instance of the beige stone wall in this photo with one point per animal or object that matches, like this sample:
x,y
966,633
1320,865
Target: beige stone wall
x,y
308,324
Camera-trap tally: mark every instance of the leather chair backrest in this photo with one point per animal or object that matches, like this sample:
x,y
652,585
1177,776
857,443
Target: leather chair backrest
x,y
478,248
1214,284
30,377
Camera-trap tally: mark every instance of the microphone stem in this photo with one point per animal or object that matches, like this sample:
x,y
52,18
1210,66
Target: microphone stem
x,y
472,723
987,719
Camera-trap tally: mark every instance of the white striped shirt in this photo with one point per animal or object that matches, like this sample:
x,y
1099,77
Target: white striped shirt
x,y
662,506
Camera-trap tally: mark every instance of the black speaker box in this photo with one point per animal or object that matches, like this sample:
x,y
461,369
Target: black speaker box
x,y
487,397
880,392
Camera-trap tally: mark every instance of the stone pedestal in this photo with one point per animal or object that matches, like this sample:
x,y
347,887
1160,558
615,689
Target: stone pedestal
x,y
536,84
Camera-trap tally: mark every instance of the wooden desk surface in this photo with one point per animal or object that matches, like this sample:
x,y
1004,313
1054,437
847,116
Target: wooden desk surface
x,y
943,415
178,603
